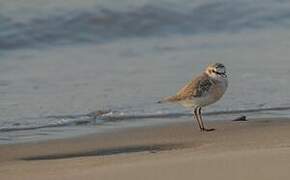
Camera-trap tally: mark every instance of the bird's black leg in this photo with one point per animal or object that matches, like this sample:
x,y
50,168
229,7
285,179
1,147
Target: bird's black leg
x,y
196,117
201,120
199,116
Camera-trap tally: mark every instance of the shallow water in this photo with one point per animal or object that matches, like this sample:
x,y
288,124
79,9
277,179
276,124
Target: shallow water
x,y
60,66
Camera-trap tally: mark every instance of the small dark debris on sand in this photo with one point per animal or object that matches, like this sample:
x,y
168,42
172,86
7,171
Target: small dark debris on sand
x,y
241,118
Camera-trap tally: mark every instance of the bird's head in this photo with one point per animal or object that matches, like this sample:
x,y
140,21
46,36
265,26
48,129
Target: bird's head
x,y
216,71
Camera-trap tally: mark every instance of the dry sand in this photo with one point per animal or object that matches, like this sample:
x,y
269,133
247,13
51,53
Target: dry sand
x,y
257,149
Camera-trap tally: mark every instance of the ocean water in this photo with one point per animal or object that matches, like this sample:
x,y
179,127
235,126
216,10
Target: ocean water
x,y
70,67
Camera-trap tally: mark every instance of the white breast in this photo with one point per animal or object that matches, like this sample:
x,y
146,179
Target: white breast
x,y
216,91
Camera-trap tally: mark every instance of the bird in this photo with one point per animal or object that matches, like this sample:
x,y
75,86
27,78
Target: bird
x,y
203,90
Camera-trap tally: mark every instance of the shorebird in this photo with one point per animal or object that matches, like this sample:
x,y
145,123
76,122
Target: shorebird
x,y
202,91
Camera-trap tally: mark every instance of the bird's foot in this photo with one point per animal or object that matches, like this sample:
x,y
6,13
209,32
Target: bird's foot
x,y
207,130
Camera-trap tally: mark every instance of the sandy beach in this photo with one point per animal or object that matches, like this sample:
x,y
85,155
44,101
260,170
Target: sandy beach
x,y
255,149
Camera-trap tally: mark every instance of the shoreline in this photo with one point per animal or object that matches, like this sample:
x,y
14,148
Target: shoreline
x,y
166,147
84,124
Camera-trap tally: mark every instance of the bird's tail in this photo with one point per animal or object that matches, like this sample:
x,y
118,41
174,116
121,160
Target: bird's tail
x,y
168,99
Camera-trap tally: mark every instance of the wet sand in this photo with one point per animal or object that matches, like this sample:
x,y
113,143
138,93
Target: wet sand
x,y
254,149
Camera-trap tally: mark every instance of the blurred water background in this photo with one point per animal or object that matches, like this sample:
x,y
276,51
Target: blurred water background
x,y
70,67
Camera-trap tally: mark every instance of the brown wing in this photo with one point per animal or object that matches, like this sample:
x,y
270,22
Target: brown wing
x,y
197,87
